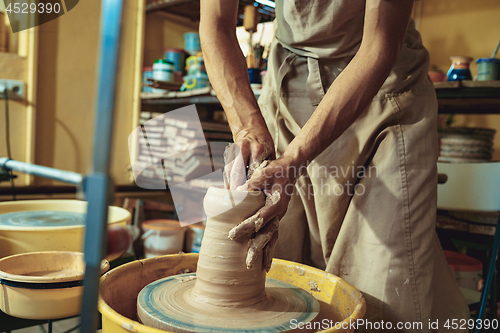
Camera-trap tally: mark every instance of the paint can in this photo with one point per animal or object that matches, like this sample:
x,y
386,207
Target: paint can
x,y
177,57
163,70
162,237
147,73
197,81
487,69
192,43
195,65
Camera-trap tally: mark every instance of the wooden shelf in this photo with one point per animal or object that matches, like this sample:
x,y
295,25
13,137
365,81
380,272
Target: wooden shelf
x,y
468,89
469,105
195,96
468,97
191,9
453,97
184,8
203,99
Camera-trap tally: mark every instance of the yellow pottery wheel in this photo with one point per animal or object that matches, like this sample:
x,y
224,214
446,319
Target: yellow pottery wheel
x,y
16,239
121,286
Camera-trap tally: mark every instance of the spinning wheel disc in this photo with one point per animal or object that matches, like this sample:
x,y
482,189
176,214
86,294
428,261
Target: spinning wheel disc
x,y
169,304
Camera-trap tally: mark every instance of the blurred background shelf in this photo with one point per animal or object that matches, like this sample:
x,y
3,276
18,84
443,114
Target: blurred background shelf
x,y
467,105
204,96
453,97
468,89
200,99
468,97
191,9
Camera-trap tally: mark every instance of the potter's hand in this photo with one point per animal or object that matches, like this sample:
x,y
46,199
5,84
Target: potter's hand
x,y
277,180
252,146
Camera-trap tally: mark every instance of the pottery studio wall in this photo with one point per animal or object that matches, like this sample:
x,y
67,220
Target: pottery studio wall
x,y
59,133
67,86
461,27
15,67
17,52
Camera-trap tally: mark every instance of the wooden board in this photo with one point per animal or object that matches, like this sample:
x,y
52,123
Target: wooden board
x,y
466,84
178,94
468,89
191,9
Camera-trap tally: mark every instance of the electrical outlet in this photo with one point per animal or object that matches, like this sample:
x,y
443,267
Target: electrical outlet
x,y
15,89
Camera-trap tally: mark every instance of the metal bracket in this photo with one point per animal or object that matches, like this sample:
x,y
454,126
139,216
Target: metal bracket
x,y
6,176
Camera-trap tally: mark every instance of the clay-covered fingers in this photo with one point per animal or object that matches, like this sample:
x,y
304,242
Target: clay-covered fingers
x,y
257,173
273,207
259,153
257,244
247,227
264,178
255,222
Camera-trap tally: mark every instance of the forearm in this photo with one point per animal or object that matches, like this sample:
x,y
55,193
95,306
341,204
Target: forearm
x,y
345,100
228,73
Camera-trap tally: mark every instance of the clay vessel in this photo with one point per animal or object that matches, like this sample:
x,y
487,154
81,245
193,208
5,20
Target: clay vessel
x,y
459,70
222,277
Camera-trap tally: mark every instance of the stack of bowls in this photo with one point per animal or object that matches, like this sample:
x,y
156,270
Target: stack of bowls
x,y
465,144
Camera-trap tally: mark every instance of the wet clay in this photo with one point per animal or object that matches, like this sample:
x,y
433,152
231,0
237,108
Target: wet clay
x,y
225,295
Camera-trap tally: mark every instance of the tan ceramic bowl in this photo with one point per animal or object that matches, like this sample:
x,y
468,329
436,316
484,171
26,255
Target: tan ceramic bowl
x,y
43,285
15,240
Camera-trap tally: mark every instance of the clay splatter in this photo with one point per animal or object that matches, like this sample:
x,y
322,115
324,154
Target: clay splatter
x,y
187,278
300,271
314,286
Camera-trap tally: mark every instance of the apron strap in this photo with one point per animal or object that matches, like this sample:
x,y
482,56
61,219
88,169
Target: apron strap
x,y
282,71
314,86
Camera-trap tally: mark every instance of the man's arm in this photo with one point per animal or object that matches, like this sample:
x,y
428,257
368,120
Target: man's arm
x,y
228,73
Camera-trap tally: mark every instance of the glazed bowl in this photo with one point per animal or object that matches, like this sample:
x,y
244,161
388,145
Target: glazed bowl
x,y
43,285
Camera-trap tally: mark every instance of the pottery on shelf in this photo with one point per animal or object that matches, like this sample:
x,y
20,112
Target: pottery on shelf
x,y
459,70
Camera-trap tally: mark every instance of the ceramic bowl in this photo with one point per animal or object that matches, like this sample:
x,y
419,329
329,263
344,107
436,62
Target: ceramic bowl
x,y
43,285
26,238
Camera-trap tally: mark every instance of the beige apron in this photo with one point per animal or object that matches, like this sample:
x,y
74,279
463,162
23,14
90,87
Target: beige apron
x,y
366,208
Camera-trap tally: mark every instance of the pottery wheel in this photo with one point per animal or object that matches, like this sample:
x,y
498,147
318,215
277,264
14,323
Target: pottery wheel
x,y
42,218
168,304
